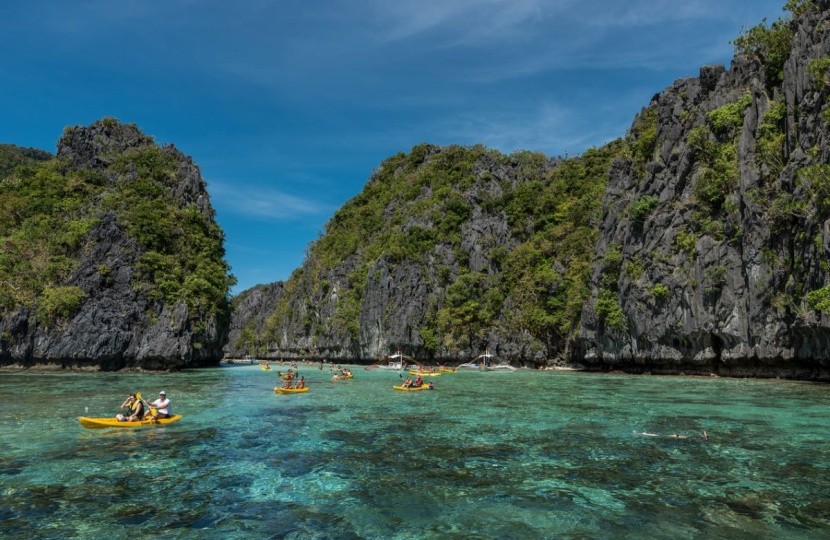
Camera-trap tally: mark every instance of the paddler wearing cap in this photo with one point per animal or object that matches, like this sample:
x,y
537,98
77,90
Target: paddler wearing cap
x,y
161,406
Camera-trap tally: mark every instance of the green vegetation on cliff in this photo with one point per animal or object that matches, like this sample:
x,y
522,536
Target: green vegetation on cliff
x,y
12,156
417,209
489,248
48,209
44,217
548,302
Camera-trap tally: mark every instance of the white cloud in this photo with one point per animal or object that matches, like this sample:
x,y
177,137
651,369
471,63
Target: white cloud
x,y
515,38
547,128
637,13
264,204
464,21
332,49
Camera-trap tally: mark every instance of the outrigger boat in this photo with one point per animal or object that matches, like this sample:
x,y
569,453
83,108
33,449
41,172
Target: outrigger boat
x,y
483,362
396,362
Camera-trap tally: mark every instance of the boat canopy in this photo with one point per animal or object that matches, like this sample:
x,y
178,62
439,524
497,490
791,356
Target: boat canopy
x,y
485,362
397,361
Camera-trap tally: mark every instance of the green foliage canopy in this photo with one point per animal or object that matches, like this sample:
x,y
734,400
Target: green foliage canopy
x,y
48,209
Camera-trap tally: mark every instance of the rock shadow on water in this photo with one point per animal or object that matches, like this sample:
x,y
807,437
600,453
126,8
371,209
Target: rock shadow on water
x,y
814,515
37,501
133,514
191,519
11,467
23,511
99,490
491,453
504,528
293,464
350,438
258,519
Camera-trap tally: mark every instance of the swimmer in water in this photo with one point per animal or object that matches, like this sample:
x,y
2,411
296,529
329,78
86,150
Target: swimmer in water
x,y
703,437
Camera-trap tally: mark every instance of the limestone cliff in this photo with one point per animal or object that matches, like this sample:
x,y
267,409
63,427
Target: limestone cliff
x,y
447,252
698,243
250,312
112,257
713,257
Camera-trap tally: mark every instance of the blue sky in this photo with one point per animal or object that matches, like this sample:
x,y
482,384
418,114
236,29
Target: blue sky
x,y
288,106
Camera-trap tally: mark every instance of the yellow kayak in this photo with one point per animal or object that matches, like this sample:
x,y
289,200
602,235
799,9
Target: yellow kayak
x,y
424,374
281,390
448,370
97,423
412,388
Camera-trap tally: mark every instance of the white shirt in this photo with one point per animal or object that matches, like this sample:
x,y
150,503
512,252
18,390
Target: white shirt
x,y
162,404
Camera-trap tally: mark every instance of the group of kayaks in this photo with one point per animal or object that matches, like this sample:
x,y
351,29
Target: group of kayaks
x,y
109,422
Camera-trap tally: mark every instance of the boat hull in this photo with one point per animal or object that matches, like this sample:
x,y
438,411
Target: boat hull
x,y
280,390
99,423
412,389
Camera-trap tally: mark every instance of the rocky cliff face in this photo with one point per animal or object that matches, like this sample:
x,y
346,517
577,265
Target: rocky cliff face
x,y
378,279
708,253
406,260
712,258
251,309
123,315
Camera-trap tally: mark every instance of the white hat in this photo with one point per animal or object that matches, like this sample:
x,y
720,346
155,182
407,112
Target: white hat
x,y
162,393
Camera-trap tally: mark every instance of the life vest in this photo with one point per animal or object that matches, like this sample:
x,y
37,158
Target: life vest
x,y
137,408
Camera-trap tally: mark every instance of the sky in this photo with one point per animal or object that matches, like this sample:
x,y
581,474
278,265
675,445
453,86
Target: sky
x,y
288,106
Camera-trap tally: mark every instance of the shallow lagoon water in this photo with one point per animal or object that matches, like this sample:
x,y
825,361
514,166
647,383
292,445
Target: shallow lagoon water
x,y
485,455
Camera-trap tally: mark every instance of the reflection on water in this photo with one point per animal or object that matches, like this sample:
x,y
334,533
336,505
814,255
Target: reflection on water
x,y
485,455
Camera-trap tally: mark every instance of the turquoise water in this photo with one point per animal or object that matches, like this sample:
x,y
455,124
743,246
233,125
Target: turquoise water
x,y
484,455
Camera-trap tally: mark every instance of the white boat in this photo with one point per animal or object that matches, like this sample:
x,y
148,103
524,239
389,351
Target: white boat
x,y
396,362
484,362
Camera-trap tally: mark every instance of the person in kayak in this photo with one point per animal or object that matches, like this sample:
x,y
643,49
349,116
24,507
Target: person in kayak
x,y
135,407
419,382
300,383
128,403
161,405
703,437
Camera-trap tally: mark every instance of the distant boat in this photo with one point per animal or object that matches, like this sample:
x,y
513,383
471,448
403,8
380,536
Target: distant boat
x,y
396,362
484,362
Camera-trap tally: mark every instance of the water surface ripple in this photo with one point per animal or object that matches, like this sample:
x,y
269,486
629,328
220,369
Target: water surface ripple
x,y
485,455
